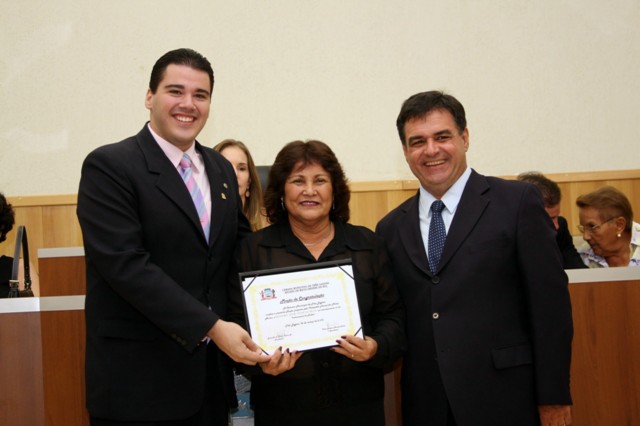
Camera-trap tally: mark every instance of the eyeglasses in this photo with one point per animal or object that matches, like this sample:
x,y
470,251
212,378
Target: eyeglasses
x,y
592,228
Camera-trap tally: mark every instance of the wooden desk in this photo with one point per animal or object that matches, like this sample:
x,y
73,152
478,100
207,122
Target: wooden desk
x,y
42,349
42,359
21,394
605,366
42,341
62,273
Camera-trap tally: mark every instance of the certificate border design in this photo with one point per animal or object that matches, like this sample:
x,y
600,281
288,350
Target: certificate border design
x,y
340,272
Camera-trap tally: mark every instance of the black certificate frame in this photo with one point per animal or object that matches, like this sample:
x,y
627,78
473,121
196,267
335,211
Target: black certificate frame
x,y
247,279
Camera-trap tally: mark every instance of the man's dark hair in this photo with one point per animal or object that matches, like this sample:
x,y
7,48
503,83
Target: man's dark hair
x,y
188,57
7,217
421,104
550,190
309,152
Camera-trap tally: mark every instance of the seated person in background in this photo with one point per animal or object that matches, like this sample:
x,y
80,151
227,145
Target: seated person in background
x,y
606,222
551,196
7,219
248,181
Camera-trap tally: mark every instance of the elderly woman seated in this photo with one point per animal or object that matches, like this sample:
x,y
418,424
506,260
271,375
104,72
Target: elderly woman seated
x,y
606,222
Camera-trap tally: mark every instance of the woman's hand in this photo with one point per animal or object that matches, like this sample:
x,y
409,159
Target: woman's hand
x,y
356,348
280,362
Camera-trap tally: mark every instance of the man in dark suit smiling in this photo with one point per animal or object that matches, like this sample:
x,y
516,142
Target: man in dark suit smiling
x,y
160,217
489,325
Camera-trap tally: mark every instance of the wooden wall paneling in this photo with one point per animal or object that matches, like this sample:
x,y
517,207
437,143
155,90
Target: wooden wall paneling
x,y
635,199
62,227
369,206
51,220
21,389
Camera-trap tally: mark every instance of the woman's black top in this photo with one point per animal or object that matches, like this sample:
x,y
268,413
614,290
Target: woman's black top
x,y
322,378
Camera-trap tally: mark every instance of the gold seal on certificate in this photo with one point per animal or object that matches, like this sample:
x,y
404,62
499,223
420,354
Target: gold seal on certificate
x,y
301,308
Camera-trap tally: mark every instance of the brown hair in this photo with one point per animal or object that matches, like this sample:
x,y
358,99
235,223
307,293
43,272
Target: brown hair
x,y
421,104
184,56
7,217
550,190
610,203
309,152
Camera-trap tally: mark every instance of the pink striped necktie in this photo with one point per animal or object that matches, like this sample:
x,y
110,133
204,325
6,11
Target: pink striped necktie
x,y
194,191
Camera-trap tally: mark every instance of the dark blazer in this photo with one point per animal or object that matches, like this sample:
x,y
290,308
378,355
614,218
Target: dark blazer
x,y
491,331
151,277
570,257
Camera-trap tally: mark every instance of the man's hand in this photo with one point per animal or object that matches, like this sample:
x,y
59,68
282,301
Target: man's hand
x,y
555,415
236,342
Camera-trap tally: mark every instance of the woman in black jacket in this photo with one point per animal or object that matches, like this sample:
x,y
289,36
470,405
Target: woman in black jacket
x,y
307,204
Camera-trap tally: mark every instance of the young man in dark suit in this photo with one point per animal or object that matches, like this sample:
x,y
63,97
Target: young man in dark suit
x,y
489,325
159,234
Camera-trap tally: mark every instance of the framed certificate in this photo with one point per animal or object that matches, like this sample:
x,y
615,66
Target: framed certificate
x,y
301,308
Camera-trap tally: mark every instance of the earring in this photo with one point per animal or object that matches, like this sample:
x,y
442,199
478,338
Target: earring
x,y
247,194
282,203
619,235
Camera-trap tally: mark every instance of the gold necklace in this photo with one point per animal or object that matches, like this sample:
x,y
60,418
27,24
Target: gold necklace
x,y
321,240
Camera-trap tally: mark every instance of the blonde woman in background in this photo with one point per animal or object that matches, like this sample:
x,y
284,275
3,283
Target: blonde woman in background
x,y
248,181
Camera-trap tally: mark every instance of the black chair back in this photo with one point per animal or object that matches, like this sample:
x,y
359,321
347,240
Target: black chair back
x,y
263,174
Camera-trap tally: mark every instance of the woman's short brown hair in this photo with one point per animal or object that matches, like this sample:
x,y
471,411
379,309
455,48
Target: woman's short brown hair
x,y
309,152
610,203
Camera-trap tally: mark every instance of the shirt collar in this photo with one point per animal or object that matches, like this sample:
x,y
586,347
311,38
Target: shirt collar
x,y
174,154
451,198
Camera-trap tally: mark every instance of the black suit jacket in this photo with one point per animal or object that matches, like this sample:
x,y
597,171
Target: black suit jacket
x,y
489,333
151,278
570,257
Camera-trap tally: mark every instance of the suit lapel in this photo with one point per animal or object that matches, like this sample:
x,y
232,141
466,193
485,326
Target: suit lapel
x,y
169,181
220,193
472,204
411,237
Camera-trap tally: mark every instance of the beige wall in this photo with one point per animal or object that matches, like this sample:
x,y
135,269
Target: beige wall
x,y
549,85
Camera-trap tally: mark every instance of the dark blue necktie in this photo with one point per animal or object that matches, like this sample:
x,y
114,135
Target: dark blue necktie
x,y
437,235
